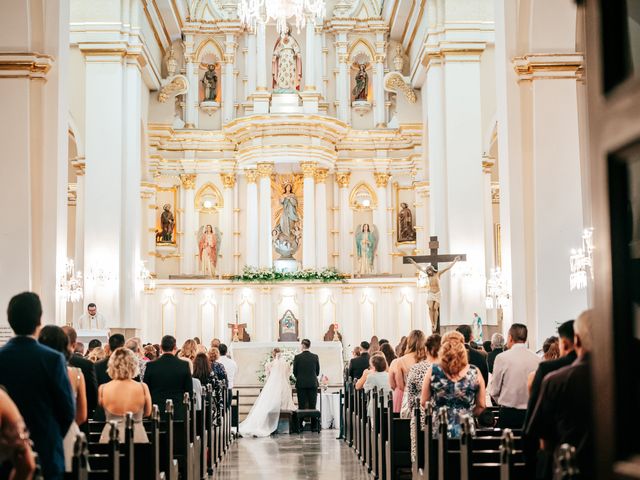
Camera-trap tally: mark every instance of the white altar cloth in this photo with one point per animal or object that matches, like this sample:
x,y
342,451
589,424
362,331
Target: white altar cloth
x,y
250,355
85,335
329,406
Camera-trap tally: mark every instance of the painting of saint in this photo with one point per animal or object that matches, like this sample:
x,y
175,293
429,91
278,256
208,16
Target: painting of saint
x,y
208,248
366,244
406,232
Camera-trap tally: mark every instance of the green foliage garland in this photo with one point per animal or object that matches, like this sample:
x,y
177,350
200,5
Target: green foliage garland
x,y
251,274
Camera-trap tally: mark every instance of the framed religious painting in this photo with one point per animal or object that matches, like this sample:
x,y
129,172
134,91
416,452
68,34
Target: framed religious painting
x,y
166,216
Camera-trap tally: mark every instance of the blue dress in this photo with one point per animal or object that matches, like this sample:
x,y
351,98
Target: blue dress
x,y
459,397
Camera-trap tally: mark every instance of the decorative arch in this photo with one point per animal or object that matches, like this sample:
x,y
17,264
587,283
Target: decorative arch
x,y
359,48
364,9
206,10
209,46
208,190
359,189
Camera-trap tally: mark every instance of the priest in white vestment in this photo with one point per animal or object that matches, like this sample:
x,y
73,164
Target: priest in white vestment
x,y
91,320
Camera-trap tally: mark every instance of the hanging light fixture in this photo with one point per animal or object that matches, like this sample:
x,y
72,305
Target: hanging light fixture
x,y
253,11
581,260
70,283
497,292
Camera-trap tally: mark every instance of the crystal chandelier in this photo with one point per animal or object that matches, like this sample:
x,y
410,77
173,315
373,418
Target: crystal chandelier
x,y
70,283
580,260
253,11
99,275
497,292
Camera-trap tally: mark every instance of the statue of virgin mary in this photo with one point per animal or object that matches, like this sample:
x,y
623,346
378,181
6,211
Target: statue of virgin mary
x,y
286,65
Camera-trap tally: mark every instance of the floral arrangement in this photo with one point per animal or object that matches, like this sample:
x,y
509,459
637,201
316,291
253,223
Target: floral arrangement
x,y
287,354
251,274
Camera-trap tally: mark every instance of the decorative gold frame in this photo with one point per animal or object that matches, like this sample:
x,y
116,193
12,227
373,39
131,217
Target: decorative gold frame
x,y
208,187
158,224
372,193
396,210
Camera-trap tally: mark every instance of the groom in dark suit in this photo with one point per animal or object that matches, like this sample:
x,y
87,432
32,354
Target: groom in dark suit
x,y
306,368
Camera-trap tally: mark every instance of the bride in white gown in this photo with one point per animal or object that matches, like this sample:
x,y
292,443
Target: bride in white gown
x,y
276,395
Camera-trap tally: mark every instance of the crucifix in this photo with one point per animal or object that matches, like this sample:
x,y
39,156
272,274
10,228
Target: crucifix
x,y
433,275
239,331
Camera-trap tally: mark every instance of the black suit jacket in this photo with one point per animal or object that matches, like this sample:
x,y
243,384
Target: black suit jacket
x,y
168,377
491,357
306,368
101,371
479,360
90,380
358,365
36,379
544,369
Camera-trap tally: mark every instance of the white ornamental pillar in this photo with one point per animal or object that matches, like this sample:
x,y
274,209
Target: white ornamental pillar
x,y
251,230
308,221
490,261
229,92
310,329
266,256
345,248
321,61
261,96
78,259
189,225
321,218
342,85
381,220
310,57
421,223
225,266
378,92
236,230
191,97
264,324
251,64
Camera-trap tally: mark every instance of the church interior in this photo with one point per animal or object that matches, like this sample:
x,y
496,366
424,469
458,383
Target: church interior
x,y
262,172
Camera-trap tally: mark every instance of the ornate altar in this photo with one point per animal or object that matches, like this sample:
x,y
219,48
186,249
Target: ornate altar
x,y
288,328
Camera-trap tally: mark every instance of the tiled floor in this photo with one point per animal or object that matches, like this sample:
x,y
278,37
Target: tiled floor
x,y
292,457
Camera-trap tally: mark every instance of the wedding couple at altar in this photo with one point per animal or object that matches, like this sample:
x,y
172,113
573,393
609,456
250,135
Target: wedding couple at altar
x,y
277,396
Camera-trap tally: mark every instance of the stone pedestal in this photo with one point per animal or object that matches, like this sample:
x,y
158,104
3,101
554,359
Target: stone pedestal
x,y
285,103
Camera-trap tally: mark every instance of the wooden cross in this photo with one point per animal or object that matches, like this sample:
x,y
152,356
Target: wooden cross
x,y
434,257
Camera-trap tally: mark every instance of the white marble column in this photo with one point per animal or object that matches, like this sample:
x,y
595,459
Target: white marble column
x,y
191,72
345,226
348,325
227,221
261,96
378,92
321,61
266,257
309,219
490,262
309,310
78,257
310,57
322,210
251,231
421,223
251,64
381,220
342,84
236,230
148,194
229,91
189,225
264,320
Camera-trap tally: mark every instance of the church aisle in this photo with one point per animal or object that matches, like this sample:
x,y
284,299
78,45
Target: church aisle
x,y
291,457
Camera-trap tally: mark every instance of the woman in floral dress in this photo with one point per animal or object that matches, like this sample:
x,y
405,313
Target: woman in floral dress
x,y
454,384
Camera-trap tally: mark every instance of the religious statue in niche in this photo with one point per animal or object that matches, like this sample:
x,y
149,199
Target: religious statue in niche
x,y
210,83
286,65
168,222
287,233
209,241
361,87
366,245
406,232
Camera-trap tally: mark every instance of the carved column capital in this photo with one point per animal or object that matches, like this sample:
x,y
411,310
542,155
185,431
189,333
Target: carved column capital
x,y
343,179
188,180
382,179
228,180
265,169
308,169
321,175
252,175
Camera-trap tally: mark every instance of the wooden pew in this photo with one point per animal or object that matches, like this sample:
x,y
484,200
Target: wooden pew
x,y
183,448
104,459
147,455
202,432
168,463
80,459
348,412
195,439
374,429
448,456
398,443
424,468
380,411
512,465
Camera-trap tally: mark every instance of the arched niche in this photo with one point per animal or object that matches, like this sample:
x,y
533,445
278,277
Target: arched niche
x,y
209,53
363,197
208,203
361,51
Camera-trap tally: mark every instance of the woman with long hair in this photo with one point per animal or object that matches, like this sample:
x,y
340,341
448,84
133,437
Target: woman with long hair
x,y
388,352
454,384
188,352
374,345
415,352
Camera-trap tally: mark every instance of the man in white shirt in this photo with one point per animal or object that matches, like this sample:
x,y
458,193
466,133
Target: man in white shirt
x,y
230,366
508,386
92,320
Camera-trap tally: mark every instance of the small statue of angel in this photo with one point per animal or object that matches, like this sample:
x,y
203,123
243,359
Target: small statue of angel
x,y
209,241
366,245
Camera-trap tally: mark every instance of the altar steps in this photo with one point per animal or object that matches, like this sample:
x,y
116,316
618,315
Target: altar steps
x,y
249,395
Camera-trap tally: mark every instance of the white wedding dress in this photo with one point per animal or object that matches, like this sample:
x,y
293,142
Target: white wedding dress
x,y
276,395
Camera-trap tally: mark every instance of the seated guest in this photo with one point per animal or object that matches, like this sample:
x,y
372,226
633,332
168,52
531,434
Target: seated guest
x,y
359,364
54,337
377,378
96,355
475,357
37,380
363,379
88,371
567,357
455,384
497,347
16,457
115,341
562,413
123,394
509,382
168,377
